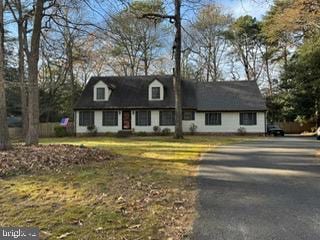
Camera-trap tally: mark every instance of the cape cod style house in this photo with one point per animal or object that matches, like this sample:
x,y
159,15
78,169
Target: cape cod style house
x,y
112,104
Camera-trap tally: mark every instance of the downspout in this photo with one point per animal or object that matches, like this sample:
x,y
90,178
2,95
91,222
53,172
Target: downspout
x,y
75,122
265,122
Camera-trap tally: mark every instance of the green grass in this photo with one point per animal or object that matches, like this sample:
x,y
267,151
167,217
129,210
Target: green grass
x,y
131,197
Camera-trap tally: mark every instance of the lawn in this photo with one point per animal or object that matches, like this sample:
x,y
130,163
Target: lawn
x,y
147,192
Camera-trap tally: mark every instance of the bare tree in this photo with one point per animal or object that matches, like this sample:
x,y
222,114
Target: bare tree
x,y
32,136
134,41
16,9
4,132
208,42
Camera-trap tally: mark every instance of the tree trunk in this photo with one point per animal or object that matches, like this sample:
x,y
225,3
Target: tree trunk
x,y
32,137
71,73
69,52
23,87
268,72
177,73
209,62
4,132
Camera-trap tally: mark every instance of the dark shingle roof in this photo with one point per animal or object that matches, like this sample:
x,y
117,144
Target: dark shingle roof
x,y
132,92
229,96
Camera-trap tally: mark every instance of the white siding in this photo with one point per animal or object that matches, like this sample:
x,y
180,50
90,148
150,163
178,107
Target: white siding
x,y
107,91
230,123
98,123
156,83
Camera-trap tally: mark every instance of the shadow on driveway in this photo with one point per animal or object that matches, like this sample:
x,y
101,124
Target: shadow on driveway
x,y
263,190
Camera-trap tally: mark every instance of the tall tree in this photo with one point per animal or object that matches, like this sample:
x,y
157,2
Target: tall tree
x,y
244,36
32,136
135,41
208,41
4,132
177,72
301,80
16,9
176,19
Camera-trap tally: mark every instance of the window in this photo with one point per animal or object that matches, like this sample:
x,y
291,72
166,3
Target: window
x,y
167,118
213,118
110,118
155,92
143,118
86,118
101,94
188,115
248,118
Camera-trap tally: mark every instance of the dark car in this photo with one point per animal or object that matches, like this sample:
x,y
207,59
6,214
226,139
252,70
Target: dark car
x,y
14,122
318,133
274,130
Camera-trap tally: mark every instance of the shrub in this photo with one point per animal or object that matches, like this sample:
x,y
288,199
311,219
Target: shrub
x,y
141,134
123,134
156,130
92,130
166,132
60,131
242,131
193,128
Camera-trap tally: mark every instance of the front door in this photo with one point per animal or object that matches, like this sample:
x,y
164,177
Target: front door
x,y
126,120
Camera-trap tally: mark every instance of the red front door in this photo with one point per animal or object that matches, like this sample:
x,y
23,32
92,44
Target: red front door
x,y
126,120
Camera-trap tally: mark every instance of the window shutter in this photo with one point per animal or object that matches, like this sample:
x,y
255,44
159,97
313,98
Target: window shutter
x,y
149,118
92,118
137,117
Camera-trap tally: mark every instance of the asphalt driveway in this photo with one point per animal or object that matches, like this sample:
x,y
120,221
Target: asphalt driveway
x,y
263,190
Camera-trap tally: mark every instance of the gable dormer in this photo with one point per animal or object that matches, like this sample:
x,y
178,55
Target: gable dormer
x,y
156,91
101,91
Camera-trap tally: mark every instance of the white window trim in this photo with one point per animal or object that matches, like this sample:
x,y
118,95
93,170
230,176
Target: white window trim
x,y
107,92
156,83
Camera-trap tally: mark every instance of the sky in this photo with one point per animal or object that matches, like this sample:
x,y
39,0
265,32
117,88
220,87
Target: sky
x,y
255,8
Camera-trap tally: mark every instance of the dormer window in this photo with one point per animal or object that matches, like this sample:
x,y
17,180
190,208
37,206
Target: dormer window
x,y
155,93
101,93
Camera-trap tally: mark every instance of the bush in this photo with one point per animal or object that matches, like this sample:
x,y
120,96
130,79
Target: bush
x,y
141,134
60,131
92,130
166,132
123,134
193,128
156,130
242,131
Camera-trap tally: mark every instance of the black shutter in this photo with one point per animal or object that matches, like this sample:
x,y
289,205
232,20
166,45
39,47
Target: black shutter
x,y
219,118
137,118
80,118
115,118
92,118
149,118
